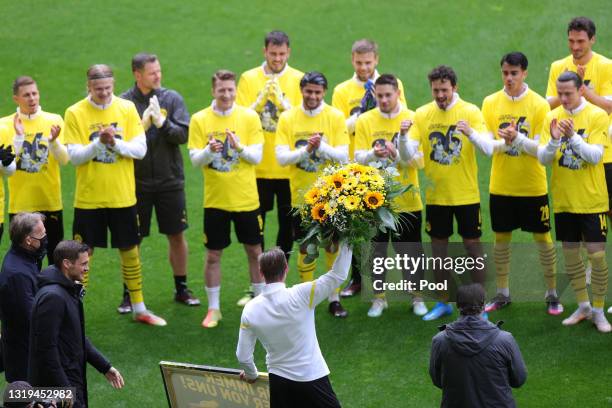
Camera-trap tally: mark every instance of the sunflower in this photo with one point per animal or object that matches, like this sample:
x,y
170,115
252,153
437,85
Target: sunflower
x,y
318,212
312,195
374,199
351,203
337,181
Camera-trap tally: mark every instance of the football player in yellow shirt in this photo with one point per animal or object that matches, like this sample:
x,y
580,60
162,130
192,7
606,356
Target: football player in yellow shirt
x,y
36,184
308,137
104,135
226,142
594,69
449,130
354,97
270,89
524,205
575,134
376,138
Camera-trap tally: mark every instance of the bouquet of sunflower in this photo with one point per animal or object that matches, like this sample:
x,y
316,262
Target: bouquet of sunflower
x,y
349,203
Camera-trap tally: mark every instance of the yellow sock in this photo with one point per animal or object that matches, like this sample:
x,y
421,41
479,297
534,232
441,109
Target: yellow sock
x,y
576,273
502,259
306,270
599,278
131,268
548,258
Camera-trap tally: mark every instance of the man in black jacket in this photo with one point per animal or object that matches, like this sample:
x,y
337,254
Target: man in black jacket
x,y
160,181
20,268
473,361
59,350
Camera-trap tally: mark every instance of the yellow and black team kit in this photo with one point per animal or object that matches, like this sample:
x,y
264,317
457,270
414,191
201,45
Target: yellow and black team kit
x,y
515,204
518,188
230,188
295,127
577,186
581,199
347,98
105,195
450,168
36,183
272,179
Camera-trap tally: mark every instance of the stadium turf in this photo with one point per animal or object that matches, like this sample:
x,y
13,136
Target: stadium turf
x,y
374,362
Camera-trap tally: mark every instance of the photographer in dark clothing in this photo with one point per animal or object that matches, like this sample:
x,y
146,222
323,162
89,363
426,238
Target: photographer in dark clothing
x,y
473,361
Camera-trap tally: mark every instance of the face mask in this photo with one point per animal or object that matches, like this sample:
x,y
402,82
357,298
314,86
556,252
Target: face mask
x,y
41,251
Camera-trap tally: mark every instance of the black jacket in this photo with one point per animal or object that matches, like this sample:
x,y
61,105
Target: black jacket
x,y
475,363
17,290
162,167
59,349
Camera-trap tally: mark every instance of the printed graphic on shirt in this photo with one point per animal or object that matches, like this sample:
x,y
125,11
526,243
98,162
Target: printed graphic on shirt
x,y
34,155
269,117
106,156
385,162
522,126
225,160
312,162
445,148
569,158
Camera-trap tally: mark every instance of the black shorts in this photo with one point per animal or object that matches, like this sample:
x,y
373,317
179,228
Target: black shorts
x,y
571,227
268,188
170,211
531,214
608,170
217,223
439,220
54,225
90,226
286,393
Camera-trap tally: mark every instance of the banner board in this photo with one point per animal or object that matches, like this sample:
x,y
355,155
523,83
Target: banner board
x,y
196,386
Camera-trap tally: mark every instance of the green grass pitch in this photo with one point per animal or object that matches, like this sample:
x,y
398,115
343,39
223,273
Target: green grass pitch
x,y
374,362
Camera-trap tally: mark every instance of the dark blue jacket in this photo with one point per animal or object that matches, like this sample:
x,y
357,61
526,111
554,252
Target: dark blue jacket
x,y
17,290
476,364
59,350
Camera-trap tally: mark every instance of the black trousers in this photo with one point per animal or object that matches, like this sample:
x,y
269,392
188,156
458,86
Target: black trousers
x,y
286,393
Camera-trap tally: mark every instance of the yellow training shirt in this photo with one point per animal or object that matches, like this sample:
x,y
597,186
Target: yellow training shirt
x,y
229,181
347,98
295,127
250,85
450,158
107,180
527,111
577,186
36,184
374,127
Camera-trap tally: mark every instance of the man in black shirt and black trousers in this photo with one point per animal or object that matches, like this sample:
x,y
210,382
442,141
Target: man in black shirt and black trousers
x,y
160,181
